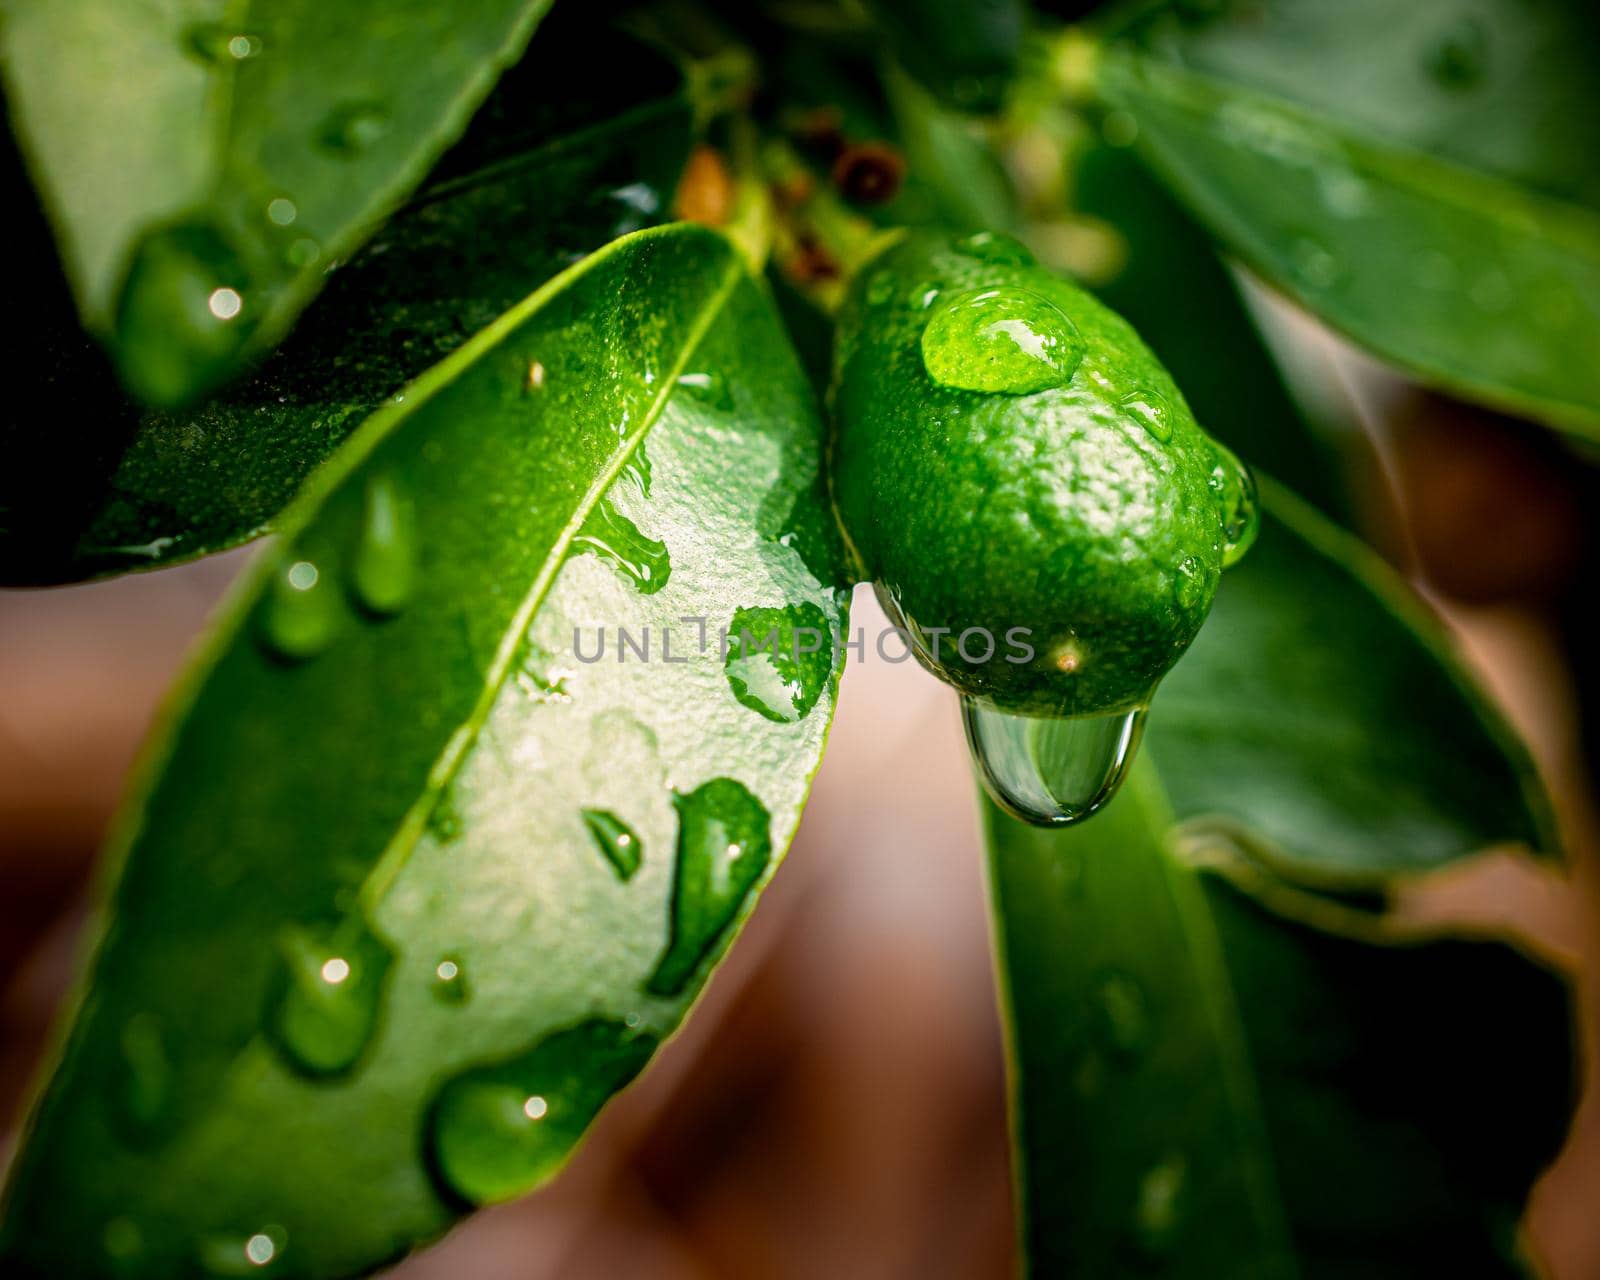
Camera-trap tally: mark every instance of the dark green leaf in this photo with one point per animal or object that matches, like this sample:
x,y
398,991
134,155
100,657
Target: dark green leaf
x,y
965,51
556,164
205,165
1204,1087
378,945
1430,193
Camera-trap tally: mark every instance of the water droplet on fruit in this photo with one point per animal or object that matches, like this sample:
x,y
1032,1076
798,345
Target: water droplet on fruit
x,y
779,660
300,616
497,1132
1192,582
1051,771
184,312
615,840
1001,340
1458,59
1235,490
997,248
330,989
449,982
384,570
724,843
352,127
613,537
1152,411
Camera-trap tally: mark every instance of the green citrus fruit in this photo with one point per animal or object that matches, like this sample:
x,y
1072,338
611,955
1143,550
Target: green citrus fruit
x,y
1023,480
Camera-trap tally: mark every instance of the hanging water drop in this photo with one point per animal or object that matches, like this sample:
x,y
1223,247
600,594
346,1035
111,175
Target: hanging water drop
x,y
613,537
724,843
615,840
300,616
384,570
778,660
1051,771
330,989
497,1132
1012,341
184,313
1240,512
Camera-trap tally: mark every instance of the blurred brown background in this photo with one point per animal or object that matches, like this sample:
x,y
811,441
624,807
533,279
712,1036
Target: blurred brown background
x,y
836,1105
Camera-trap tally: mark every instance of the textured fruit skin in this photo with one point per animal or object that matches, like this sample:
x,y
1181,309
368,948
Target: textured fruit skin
x,y
1056,511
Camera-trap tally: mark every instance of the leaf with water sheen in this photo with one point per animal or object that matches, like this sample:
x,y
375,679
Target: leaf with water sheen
x,y
206,162
1202,1086
1431,194
556,163
360,887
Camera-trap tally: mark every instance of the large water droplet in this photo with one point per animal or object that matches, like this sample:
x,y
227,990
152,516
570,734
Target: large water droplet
x,y
1001,340
145,1083
184,313
613,537
724,842
1240,512
384,570
997,248
616,840
1150,410
1458,59
330,991
353,126
301,615
499,1131
1051,771
779,660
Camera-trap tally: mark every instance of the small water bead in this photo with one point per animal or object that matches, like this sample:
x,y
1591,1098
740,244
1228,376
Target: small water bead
x,y
1240,512
301,614
1152,411
997,248
709,388
1051,771
384,571
724,843
184,312
444,819
613,537
616,841
449,984
778,660
1313,262
252,1254
497,1132
1011,341
215,43
352,127
330,989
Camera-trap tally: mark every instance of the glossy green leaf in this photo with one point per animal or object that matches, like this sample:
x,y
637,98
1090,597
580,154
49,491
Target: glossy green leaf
x,y
205,163
1203,1086
556,164
414,880
1430,193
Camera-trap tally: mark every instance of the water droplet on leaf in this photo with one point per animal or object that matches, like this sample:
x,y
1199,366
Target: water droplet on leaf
x,y
184,313
252,1254
1001,340
330,989
1159,1211
779,660
450,981
709,388
1051,771
613,537
301,615
215,43
616,840
1123,1018
724,843
1458,59
997,248
352,127
497,1132
385,566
